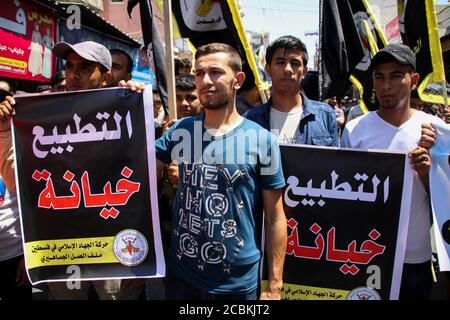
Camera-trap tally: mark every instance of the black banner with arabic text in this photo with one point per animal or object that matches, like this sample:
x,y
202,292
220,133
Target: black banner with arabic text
x,y
362,74
87,185
344,221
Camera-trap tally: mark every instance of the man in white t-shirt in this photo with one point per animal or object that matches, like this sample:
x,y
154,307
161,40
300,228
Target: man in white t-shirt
x,y
396,126
14,283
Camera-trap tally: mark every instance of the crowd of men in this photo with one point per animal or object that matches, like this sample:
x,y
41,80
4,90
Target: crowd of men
x,y
214,96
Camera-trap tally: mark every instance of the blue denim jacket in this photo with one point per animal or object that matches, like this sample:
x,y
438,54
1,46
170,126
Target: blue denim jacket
x,y
317,124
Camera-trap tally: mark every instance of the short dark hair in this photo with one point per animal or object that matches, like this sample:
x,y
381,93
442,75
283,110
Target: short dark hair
x,y
58,77
183,63
129,60
288,43
234,62
102,68
185,82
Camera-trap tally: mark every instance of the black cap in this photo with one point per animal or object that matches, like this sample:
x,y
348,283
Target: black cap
x,y
395,51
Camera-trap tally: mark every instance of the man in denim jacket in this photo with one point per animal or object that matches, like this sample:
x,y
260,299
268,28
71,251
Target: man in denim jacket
x,y
289,114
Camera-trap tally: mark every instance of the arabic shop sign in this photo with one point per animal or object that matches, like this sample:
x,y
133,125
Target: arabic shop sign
x,y
27,33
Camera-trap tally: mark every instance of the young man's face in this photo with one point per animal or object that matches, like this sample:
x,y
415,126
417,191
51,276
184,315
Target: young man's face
x,y
82,74
393,82
216,82
119,69
286,70
333,101
188,103
185,70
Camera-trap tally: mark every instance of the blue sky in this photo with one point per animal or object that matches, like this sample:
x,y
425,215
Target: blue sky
x,y
283,17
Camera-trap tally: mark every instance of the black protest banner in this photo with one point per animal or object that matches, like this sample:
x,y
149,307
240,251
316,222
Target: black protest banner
x,y
347,222
87,185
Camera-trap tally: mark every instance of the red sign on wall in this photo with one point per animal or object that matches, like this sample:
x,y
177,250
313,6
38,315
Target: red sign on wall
x,y
392,29
27,33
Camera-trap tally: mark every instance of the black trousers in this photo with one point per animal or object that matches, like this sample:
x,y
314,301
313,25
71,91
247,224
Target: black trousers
x,y
8,288
417,281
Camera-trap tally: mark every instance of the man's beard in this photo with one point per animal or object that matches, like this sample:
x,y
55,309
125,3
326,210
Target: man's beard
x,y
96,84
394,105
219,101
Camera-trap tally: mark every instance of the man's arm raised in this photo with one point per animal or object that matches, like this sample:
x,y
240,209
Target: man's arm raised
x,y
6,108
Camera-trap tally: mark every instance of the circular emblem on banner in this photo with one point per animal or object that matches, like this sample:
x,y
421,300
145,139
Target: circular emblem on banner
x,y
363,293
446,231
130,247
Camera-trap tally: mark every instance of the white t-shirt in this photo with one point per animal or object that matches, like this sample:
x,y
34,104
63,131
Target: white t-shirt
x,y
340,115
354,112
10,233
372,132
284,125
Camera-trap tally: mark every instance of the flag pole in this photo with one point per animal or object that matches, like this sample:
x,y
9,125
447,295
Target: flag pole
x,y
444,92
168,39
320,67
234,9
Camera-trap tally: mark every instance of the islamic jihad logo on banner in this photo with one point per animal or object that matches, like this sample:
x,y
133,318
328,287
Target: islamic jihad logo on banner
x,y
130,247
363,293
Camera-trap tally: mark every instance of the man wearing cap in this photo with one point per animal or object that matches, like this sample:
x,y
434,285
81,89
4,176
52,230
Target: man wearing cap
x,y
14,283
88,66
396,126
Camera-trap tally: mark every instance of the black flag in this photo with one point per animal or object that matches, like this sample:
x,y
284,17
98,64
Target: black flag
x,y
211,21
372,37
154,45
341,47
